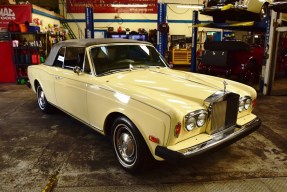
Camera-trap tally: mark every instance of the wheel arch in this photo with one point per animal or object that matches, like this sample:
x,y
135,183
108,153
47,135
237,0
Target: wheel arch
x,y
251,72
265,5
108,128
36,84
252,63
108,124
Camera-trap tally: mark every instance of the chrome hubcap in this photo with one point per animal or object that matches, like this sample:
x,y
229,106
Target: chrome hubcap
x,y
125,145
41,100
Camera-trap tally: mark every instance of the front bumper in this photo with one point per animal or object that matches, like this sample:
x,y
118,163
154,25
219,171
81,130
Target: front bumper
x,y
220,139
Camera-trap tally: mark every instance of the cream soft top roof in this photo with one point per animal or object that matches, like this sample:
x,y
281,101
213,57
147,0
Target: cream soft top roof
x,y
86,43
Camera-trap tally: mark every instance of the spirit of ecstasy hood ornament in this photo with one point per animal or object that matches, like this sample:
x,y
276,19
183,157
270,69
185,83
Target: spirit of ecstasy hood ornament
x,y
224,84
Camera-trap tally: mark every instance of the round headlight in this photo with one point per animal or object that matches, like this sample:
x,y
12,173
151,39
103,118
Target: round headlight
x,y
201,120
241,105
247,103
190,123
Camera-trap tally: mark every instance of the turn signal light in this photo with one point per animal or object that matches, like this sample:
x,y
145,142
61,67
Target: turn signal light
x,y
254,103
153,139
177,129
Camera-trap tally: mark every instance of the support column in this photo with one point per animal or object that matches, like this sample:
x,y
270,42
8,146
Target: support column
x,y
194,41
162,36
89,17
267,69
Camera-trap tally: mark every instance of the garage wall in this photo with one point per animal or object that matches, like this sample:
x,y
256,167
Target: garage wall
x,y
45,20
46,17
179,19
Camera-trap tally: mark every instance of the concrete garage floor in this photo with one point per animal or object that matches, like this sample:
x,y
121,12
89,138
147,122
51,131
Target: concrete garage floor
x,y
35,146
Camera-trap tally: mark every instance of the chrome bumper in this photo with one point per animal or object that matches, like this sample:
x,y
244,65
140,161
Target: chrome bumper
x,y
224,138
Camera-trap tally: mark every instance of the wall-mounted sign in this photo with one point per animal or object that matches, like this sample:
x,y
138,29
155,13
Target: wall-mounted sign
x,y
15,13
113,6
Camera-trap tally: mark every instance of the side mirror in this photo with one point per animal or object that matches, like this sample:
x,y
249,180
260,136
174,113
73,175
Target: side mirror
x,y
77,69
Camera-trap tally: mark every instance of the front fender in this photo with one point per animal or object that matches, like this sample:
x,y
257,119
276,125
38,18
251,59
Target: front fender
x,y
149,120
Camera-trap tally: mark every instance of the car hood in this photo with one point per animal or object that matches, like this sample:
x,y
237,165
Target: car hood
x,y
166,88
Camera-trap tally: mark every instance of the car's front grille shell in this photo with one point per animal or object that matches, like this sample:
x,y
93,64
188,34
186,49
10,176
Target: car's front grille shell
x,y
223,112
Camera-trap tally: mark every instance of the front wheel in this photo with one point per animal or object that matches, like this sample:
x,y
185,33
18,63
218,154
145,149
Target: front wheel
x,y
42,101
129,146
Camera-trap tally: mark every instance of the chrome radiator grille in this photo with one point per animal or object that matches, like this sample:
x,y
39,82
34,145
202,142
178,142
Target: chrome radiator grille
x,y
224,113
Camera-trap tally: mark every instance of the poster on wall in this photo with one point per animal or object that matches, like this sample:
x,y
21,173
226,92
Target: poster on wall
x,y
15,13
113,6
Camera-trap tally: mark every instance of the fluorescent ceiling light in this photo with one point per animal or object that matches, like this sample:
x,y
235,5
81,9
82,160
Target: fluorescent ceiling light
x,y
129,5
190,6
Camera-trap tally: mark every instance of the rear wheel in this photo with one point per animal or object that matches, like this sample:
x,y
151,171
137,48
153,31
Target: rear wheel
x,y
251,74
130,148
264,11
42,101
249,77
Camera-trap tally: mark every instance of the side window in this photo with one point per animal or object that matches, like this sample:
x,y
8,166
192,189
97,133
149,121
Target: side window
x,y
59,61
74,57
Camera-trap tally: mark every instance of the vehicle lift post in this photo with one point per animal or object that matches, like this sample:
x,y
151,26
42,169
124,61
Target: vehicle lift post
x,y
162,37
194,41
272,38
89,18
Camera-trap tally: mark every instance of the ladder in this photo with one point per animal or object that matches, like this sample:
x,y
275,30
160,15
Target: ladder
x,y
70,31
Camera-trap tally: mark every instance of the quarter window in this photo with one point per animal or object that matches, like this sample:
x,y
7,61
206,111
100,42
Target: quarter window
x,y
59,61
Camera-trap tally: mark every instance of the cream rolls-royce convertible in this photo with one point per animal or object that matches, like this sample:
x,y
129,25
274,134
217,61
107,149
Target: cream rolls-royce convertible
x,y
125,90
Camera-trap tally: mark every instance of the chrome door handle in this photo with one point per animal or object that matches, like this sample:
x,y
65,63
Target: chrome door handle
x,y
58,77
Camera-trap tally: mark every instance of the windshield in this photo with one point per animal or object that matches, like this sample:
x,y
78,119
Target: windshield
x,y
113,58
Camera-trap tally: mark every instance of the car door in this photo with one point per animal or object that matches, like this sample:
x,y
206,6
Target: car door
x,y
71,87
